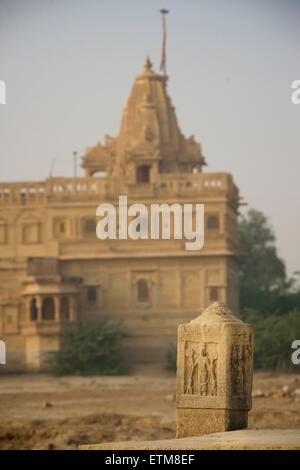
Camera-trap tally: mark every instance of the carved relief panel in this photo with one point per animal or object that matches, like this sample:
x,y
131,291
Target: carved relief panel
x,y
241,369
214,363
201,369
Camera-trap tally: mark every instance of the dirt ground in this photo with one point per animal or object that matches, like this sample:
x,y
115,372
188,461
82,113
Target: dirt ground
x,y
43,412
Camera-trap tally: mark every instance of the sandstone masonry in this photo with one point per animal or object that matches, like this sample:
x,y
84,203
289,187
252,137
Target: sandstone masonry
x,y
214,373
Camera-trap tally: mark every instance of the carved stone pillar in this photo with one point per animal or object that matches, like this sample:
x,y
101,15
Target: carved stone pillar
x,y
39,303
214,373
56,300
27,306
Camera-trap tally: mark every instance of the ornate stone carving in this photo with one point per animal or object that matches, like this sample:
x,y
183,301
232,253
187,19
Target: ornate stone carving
x,y
147,117
201,369
214,372
240,364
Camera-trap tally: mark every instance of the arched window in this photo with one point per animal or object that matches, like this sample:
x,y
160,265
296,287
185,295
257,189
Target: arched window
x,y
143,174
64,309
48,310
33,310
142,290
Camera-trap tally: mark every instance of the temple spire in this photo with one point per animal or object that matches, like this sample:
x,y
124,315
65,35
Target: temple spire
x,y
149,134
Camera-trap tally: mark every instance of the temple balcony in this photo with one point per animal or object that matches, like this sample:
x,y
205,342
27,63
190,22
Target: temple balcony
x,y
43,328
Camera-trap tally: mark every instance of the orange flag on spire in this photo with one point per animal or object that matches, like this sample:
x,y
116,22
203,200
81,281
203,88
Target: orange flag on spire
x,y
163,51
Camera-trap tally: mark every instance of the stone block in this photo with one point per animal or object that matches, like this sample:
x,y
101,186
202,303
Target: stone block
x,y
214,373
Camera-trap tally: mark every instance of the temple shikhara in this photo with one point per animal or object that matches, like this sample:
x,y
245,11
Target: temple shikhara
x,y
54,270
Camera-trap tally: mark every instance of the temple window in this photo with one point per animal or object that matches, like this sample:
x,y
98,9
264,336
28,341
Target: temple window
x,y
48,309
214,293
60,227
64,309
142,290
143,174
90,226
91,295
33,310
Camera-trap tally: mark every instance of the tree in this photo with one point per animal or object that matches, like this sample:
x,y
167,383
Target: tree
x,y
274,336
90,347
262,273
268,300
260,263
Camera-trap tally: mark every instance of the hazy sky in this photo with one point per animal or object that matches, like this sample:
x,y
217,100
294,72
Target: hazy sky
x,y
69,66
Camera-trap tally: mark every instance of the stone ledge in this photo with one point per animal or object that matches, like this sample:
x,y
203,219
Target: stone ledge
x,y
246,439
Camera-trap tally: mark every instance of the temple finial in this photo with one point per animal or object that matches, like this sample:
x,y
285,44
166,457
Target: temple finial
x,y
148,64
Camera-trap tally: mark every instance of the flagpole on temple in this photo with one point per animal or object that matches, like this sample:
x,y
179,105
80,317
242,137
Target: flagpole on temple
x,y
163,62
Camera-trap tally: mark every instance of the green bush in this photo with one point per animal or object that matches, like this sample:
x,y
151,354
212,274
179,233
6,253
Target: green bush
x,y
269,300
273,337
90,347
278,300
171,358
